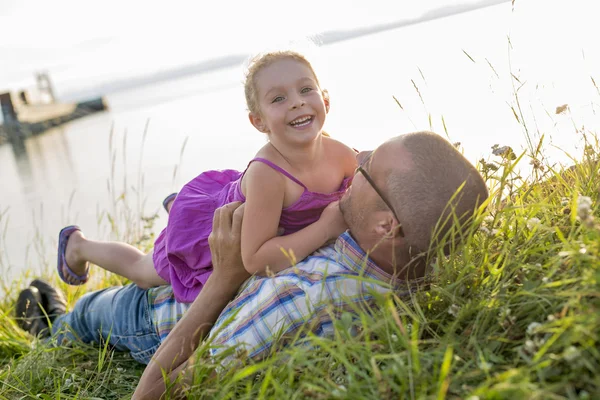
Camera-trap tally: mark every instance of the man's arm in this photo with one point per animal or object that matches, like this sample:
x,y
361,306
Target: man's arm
x,y
228,275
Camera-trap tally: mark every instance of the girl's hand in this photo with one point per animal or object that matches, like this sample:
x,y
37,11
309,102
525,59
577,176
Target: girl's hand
x,y
332,221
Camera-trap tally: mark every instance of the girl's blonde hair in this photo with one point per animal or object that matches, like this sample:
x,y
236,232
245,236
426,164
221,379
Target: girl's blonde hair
x,y
261,61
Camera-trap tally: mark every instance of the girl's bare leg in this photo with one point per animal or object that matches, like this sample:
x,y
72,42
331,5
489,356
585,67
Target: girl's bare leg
x,y
120,258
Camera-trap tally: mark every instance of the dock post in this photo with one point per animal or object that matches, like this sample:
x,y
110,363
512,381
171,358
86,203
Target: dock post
x,y
45,85
11,122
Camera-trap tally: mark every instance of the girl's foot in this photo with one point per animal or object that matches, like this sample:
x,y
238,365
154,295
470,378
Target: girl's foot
x,y
71,269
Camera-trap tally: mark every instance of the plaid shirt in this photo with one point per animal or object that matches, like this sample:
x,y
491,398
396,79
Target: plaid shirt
x,y
334,278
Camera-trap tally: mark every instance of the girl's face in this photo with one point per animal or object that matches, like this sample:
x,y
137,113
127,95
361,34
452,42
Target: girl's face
x,y
292,107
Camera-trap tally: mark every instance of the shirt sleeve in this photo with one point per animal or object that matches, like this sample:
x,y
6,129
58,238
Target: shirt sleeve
x,y
267,312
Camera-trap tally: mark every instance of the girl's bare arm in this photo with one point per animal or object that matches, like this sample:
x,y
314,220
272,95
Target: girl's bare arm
x,y
261,247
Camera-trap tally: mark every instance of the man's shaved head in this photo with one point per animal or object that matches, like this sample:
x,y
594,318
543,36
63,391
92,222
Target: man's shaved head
x,y
432,172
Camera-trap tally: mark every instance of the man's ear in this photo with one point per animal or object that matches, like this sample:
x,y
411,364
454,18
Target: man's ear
x,y
257,122
387,227
326,100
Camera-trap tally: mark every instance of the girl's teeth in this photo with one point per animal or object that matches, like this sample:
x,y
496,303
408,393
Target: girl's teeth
x,y
301,122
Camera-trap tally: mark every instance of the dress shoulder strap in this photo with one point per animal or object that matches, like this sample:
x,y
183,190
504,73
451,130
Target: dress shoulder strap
x,y
279,169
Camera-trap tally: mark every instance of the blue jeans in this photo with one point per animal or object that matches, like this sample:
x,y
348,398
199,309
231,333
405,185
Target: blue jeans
x,y
119,314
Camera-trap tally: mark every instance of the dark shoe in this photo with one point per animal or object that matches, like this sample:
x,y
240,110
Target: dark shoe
x,y
53,301
28,313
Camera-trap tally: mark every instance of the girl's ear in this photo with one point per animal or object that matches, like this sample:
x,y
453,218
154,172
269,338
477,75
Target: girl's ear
x,y
257,122
326,99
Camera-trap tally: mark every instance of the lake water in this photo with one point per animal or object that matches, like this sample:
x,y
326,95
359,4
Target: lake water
x,y
454,71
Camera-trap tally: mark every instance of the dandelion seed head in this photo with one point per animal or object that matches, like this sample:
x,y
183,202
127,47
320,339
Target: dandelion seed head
x,y
533,222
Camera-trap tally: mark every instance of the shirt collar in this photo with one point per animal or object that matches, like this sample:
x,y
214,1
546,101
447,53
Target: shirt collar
x,y
356,259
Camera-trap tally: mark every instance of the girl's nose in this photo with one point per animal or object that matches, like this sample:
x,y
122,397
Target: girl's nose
x,y
298,103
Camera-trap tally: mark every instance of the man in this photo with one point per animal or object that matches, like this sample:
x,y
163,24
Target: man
x,y
404,196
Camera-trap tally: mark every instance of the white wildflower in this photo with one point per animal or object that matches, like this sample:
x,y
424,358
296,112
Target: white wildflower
x,y
563,254
583,395
494,232
546,279
489,220
582,250
564,201
571,354
505,319
533,222
484,230
484,365
551,318
394,337
584,202
533,327
504,313
530,346
538,265
454,310
584,210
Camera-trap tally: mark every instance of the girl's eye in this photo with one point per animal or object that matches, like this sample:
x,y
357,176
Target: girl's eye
x,y
306,90
277,99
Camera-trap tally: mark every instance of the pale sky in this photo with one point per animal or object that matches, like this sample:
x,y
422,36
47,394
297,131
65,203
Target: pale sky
x,y
95,41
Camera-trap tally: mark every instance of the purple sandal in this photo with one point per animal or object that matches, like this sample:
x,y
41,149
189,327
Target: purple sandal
x,y
168,200
71,278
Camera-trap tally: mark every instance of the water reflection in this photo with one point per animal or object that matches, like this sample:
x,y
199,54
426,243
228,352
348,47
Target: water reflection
x,y
23,165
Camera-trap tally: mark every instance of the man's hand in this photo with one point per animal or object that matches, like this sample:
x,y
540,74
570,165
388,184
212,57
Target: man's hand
x,y
228,274
225,243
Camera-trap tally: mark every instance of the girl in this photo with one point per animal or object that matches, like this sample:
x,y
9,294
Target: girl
x,y
288,184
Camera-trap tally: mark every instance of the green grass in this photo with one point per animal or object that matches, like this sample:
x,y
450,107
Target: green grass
x,y
514,313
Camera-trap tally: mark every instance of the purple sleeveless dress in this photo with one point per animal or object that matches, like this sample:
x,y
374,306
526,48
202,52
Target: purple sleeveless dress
x,y
181,252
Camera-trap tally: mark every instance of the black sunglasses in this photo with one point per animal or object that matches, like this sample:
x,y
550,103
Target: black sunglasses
x,y
379,192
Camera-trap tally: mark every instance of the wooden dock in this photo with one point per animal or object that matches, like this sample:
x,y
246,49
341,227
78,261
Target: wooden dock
x,y
22,119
